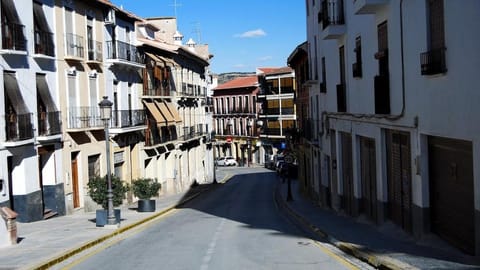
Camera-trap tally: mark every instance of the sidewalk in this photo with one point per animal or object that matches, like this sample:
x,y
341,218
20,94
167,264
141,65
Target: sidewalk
x,y
44,243
385,247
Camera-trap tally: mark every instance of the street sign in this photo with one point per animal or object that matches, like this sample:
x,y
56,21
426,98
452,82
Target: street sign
x,y
289,159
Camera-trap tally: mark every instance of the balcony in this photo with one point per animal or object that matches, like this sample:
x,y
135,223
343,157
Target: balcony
x,y
368,6
44,43
13,38
49,123
127,121
84,118
323,87
122,53
161,89
382,94
154,136
95,51
357,70
341,98
75,48
333,19
18,127
433,62
278,111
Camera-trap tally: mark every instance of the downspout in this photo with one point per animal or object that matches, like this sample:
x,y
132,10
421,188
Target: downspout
x,y
395,117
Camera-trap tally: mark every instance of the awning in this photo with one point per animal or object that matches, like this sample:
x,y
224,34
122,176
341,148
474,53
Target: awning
x,y
44,93
156,114
174,112
167,61
166,113
155,58
13,93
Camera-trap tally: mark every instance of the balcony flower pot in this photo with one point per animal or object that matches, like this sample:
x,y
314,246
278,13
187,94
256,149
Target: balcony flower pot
x,y
145,189
97,190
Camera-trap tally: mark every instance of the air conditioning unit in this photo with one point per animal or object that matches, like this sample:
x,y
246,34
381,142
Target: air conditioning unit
x,y
92,73
72,71
110,17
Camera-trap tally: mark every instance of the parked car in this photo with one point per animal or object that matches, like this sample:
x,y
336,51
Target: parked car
x,y
230,161
226,161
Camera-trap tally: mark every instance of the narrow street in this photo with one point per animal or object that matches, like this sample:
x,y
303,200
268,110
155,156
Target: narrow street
x,y
234,226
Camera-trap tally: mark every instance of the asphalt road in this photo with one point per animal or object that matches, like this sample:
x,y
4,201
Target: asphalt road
x,y
234,226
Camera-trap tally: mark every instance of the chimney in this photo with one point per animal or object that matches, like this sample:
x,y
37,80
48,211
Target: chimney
x,y
177,38
191,45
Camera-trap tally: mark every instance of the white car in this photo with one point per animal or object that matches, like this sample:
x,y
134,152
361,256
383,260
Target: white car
x,y
226,161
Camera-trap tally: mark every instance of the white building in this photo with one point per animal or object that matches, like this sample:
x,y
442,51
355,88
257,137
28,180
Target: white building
x,y
393,86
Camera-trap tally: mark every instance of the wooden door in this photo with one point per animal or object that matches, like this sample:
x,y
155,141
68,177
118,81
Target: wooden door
x,y
75,191
451,191
368,177
347,173
399,178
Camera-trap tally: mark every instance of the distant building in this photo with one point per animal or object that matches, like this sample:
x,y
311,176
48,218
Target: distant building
x,y
277,115
235,119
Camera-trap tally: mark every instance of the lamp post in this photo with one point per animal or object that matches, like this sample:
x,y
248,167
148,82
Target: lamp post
x,y
249,144
105,115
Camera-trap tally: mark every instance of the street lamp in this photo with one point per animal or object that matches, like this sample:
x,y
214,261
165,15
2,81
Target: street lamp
x,y
105,115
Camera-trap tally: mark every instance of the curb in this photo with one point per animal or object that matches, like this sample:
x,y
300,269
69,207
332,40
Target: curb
x,y
358,251
60,258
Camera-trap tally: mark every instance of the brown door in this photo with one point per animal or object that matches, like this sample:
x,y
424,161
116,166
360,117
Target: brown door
x,y
451,191
399,178
368,177
333,170
76,195
347,173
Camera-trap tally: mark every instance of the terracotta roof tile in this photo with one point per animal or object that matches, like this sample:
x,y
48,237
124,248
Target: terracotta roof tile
x,y
240,82
272,71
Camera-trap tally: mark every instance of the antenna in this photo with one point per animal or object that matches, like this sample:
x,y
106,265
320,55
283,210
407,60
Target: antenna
x,y
175,5
196,30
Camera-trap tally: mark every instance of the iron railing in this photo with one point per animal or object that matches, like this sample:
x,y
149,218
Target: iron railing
x,y
95,50
44,43
74,45
19,126
13,37
124,51
127,118
49,123
433,62
84,117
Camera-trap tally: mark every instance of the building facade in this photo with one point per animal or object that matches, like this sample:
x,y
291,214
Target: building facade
x,y
277,115
235,120
59,59
397,138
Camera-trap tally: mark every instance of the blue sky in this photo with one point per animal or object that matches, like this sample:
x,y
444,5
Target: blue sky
x,y
242,35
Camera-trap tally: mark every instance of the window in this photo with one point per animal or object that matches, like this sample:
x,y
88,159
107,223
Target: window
x,y
357,66
433,61
323,84
43,37
13,37
93,166
341,88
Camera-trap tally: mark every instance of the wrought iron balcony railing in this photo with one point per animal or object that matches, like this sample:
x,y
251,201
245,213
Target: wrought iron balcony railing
x,y
127,118
13,37
95,51
332,12
433,62
44,43
74,45
49,123
84,117
124,51
19,127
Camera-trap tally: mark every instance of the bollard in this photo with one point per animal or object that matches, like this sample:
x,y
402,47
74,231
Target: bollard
x,y
10,217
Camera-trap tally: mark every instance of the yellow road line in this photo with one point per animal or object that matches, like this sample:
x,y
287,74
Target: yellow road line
x,y
339,259
120,238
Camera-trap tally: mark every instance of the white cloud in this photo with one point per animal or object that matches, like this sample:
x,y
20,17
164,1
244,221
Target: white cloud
x,y
252,34
240,66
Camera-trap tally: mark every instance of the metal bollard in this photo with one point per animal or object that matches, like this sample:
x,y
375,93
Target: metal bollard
x,y
11,220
